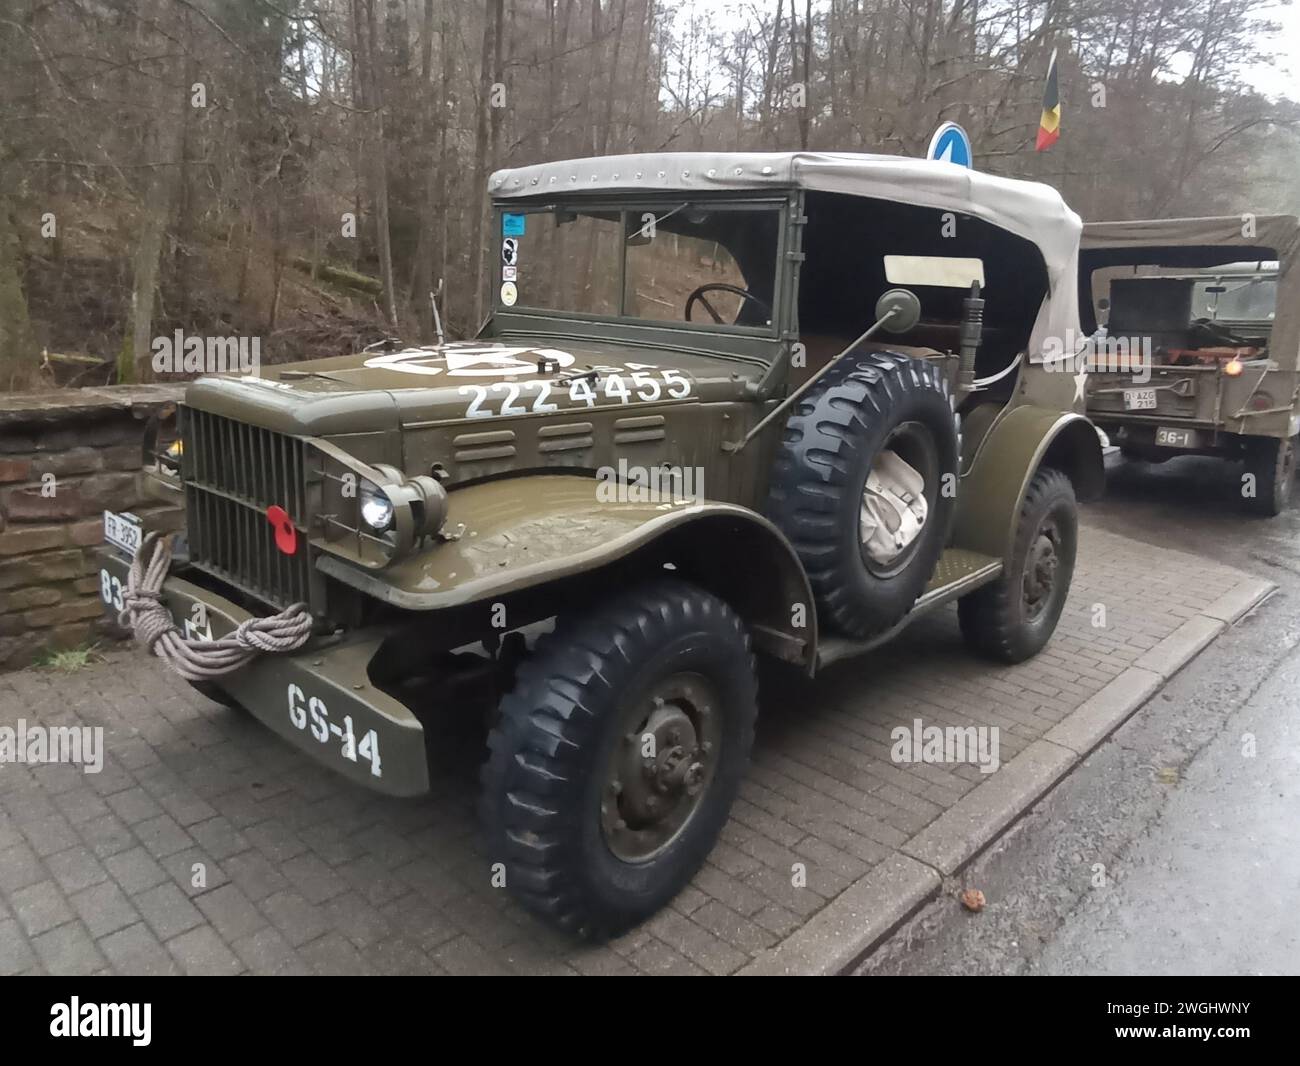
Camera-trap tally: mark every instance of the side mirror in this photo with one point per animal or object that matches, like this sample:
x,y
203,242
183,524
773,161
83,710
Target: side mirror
x,y
905,307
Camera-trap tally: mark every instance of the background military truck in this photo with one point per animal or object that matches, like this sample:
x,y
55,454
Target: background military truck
x,y
678,439
1216,303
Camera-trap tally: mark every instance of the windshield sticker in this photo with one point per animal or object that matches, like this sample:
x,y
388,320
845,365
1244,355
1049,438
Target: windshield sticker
x,y
509,273
509,294
510,251
512,225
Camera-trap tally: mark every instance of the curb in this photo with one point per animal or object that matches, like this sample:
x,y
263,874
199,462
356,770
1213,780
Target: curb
x,y
952,839
846,930
868,910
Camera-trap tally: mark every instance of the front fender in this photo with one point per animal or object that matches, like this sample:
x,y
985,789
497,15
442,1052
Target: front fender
x,y
526,532
1018,443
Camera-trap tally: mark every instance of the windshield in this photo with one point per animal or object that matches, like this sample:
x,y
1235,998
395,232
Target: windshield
x,y
1236,299
711,265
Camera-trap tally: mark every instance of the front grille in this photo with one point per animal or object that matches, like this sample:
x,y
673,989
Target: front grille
x,y
232,473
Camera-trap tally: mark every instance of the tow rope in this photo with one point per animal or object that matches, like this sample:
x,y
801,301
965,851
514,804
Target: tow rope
x,y
148,618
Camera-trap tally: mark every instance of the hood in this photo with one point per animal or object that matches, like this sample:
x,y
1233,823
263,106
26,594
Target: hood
x,y
380,391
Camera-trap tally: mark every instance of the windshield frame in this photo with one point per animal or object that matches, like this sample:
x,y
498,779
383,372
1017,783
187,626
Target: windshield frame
x,y
526,318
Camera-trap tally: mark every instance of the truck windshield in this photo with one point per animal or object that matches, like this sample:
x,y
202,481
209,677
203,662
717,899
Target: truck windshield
x,y
1235,300
711,265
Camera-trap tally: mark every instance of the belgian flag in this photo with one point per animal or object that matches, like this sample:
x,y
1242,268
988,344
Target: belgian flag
x,y
1049,126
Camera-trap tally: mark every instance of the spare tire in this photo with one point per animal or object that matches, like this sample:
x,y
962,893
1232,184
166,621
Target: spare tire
x,y
864,486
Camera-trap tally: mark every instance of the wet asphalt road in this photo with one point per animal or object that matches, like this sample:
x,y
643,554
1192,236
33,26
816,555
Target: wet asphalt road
x,y
1172,849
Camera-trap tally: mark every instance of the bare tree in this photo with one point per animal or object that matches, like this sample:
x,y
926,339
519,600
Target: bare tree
x,y
342,144
365,60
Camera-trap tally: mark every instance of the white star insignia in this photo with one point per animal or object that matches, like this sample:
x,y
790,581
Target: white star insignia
x,y
1079,379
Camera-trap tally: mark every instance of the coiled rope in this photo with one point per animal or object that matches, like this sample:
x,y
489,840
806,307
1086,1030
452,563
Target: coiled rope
x,y
148,618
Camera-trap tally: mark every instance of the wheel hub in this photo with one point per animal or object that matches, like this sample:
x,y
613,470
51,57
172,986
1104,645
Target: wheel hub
x,y
661,768
893,510
1040,573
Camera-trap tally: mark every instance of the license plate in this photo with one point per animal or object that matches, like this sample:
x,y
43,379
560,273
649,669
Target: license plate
x,y
1139,399
1175,438
122,531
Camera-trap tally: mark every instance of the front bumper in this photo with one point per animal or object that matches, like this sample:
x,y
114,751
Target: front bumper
x,y
319,698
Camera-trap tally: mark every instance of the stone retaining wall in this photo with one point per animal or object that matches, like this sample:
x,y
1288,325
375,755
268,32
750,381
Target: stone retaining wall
x,y
65,457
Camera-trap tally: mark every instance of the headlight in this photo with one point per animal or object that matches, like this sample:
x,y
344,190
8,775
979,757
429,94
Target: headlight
x,y
376,507
170,457
372,514
403,508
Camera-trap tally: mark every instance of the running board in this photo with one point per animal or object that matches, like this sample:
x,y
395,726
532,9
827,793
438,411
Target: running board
x,y
958,572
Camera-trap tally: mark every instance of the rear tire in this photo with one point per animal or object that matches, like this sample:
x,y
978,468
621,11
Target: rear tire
x,y
1012,619
594,833
1138,455
866,405
1272,462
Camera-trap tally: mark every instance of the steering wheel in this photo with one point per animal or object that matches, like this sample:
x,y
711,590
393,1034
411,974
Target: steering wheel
x,y
698,294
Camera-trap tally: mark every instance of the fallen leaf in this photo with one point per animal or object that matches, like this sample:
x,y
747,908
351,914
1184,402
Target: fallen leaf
x,y
972,899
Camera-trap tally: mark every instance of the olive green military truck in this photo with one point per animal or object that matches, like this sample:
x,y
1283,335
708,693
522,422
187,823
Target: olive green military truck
x,y
1198,321
783,403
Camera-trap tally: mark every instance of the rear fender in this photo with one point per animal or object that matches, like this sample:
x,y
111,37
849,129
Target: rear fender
x,y
1018,443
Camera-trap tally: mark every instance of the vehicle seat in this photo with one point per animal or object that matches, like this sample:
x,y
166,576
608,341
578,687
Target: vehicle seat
x,y
1152,308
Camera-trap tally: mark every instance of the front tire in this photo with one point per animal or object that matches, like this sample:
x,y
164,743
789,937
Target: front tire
x,y
1012,618
616,758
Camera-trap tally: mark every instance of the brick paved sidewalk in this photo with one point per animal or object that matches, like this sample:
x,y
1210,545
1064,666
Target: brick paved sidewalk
x,y
307,873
